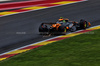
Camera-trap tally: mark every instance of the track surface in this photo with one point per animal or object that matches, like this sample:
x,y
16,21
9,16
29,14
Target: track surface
x,y
22,29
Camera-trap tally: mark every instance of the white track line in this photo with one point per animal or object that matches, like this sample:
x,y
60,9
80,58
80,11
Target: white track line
x,y
41,41
43,8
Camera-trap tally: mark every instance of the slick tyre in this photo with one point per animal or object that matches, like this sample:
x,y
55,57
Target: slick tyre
x,y
62,29
43,29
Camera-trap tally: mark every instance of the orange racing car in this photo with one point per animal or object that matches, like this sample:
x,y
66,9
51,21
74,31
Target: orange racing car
x,y
62,26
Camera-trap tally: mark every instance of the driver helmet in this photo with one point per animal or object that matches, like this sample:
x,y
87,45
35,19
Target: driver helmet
x,y
61,19
67,20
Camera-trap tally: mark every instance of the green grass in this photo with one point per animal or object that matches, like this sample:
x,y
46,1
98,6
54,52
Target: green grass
x,y
82,50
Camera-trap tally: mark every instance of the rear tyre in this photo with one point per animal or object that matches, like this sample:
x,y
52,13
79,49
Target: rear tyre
x,y
43,28
62,29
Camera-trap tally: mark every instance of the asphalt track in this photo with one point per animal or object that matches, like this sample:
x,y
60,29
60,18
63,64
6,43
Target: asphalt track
x,y
22,29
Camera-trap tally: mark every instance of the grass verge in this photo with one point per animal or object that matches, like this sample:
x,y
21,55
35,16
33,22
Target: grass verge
x,y
82,50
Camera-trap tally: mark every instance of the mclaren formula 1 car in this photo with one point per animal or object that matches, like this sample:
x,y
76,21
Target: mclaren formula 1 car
x,y
62,26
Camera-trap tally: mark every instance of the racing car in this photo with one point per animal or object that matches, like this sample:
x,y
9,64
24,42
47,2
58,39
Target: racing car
x,y
62,26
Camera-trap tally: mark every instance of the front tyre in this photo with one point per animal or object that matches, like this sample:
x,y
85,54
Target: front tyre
x,y
83,25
